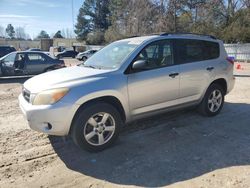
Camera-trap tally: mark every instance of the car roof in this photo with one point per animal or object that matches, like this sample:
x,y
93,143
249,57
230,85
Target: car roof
x,y
31,52
139,40
6,46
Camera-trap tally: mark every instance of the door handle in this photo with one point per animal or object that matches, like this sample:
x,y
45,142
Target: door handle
x,y
210,68
173,75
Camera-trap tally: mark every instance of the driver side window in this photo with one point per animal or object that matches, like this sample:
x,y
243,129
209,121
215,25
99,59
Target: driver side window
x,y
157,54
9,58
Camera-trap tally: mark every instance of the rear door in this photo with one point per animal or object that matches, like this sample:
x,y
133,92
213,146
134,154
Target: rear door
x,y
198,60
36,63
157,86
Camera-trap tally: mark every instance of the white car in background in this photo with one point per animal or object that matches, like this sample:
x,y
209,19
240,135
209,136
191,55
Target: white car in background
x,y
83,56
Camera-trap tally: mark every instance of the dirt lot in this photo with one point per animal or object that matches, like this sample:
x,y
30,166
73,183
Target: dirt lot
x,y
181,149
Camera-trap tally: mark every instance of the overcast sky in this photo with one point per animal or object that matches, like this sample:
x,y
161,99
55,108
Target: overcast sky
x,y
37,15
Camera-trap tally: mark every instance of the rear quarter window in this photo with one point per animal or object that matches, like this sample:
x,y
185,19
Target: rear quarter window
x,y
35,57
196,50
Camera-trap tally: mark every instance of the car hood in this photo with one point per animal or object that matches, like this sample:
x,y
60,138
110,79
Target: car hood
x,y
63,78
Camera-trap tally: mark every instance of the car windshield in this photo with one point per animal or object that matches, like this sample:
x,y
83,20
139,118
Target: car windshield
x,y
111,56
8,58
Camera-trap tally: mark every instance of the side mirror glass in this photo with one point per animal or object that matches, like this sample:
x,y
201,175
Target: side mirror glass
x,y
139,65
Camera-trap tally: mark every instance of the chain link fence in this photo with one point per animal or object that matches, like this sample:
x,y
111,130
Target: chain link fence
x,y
240,52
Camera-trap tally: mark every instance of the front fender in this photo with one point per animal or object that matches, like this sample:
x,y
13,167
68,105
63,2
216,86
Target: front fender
x,y
106,93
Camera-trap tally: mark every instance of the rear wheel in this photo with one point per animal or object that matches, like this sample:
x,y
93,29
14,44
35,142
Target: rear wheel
x,y
49,69
96,127
213,101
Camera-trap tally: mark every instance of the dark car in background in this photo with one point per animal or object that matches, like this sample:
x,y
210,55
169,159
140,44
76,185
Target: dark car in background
x,y
4,50
67,53
28,63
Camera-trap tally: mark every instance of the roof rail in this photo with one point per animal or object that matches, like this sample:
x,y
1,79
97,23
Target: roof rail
x,y
210,36
133,36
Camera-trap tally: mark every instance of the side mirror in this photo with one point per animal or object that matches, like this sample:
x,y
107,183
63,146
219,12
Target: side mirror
x,y
139,65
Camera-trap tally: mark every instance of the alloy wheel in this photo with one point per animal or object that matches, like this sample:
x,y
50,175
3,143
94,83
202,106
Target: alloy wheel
x,y
99,128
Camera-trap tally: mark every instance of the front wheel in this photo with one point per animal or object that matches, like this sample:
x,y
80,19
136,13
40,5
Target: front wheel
x,y
96,127
48,70
84,58
213,101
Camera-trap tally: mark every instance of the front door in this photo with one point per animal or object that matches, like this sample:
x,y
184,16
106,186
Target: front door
x,y
8,65
156,86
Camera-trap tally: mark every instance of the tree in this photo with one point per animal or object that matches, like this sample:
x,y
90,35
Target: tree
x,y
131,17
43,34
67,33
239,28
95,38
10,31
118,17
2,35
83,26
21,34
58,35
92,17
226,19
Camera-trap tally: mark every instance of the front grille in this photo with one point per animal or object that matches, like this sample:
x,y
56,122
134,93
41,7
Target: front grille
x,y
26,94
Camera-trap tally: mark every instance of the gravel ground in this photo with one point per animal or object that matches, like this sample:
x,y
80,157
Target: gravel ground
x,y
180,149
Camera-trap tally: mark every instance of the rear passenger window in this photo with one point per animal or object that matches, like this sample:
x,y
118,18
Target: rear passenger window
x,y
35,57
196,50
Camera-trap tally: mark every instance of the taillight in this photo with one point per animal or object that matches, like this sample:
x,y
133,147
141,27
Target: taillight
x,y
230,60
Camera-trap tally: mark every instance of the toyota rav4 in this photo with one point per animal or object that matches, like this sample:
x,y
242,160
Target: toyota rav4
x,y
126,80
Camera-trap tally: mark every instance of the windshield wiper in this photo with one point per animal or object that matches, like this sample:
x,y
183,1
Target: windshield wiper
x,y
89,66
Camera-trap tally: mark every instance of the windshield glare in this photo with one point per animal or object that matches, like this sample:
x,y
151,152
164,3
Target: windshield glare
x,y
111,56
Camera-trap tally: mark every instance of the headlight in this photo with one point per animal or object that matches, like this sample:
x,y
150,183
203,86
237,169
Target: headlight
x,y
49,96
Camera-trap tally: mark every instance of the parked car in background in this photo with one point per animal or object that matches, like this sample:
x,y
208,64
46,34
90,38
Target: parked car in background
x,y
34,49
28,63
128,80
83,56
67,53
6,50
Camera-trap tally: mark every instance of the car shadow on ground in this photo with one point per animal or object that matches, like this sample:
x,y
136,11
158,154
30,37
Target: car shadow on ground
x,y
9,80
167,148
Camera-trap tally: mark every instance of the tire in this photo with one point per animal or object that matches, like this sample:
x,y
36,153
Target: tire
x,y
90,133
213,101
84,58
48,70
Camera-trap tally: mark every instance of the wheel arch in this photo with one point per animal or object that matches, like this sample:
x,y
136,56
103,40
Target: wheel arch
x,y
50,67
84,57
114,101
222,82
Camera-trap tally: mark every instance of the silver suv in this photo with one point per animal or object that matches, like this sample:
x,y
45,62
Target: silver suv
x,y
127,80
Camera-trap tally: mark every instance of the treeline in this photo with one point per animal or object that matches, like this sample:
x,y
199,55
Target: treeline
x,y
101,21
19,33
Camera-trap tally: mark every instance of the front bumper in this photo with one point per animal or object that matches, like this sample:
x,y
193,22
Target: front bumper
x,y
79,57
50,119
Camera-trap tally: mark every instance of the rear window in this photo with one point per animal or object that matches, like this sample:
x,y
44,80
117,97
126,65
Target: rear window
x,y
35,57
196,50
